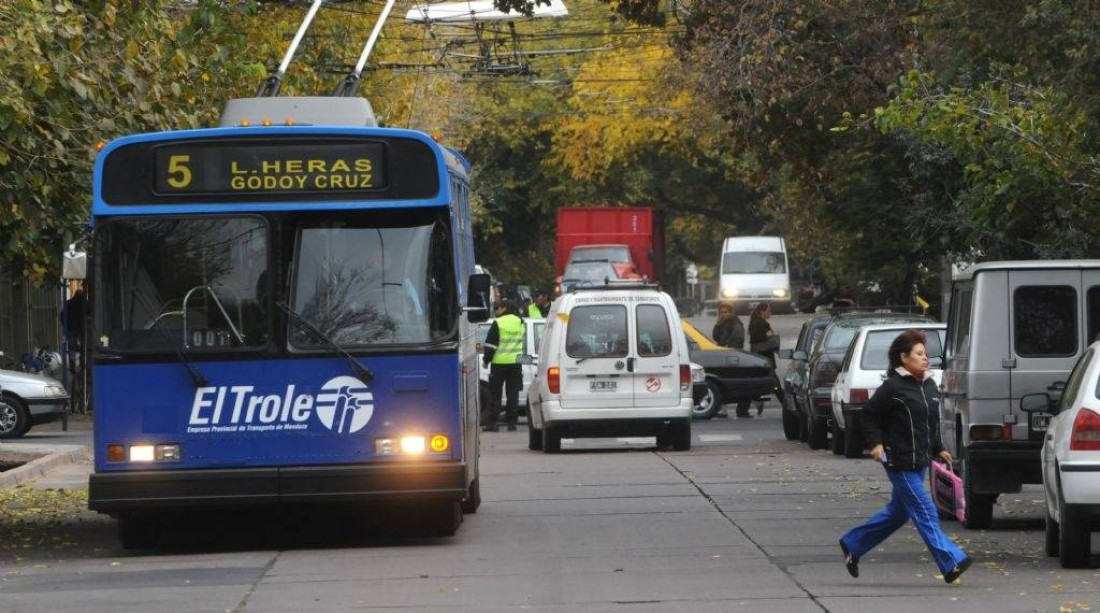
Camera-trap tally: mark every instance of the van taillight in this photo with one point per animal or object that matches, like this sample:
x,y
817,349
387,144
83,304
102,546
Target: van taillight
x,y
553,379
685,377
858,396
1086,432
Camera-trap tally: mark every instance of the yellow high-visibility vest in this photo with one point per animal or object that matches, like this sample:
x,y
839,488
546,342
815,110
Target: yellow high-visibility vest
x,y
510,346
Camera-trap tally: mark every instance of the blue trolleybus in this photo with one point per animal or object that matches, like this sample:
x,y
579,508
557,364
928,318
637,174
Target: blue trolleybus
x,y
283,314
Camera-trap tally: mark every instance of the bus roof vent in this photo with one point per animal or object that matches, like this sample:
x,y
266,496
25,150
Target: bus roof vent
x,y
303,110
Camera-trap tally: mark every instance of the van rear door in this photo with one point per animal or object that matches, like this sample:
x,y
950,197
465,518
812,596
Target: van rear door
x,y
594,364
656,365
1046,333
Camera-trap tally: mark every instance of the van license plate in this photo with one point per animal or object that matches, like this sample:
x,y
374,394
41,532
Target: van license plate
x,y
603,386
1040,421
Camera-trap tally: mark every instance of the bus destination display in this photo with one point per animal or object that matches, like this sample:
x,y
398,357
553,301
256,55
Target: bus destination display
x,y
201,168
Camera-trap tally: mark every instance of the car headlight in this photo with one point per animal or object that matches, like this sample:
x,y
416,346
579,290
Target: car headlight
x,y
779,292
55,390
698,374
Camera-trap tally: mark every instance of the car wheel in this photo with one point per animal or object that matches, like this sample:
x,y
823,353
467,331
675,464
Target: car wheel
x,y
979,507
838,439
816,435
853,442
681,435
13,418
473,497
551,441
791,428
1051,532
1073,536
534,436
136,531
711,403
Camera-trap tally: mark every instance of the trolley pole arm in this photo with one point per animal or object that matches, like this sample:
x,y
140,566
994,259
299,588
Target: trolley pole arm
x,y
270,86
350,85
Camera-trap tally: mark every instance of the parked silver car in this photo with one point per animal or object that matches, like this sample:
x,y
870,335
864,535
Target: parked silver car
x,y
28,400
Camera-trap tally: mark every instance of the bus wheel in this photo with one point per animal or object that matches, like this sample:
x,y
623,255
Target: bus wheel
x,y
442,519
137,531
473,497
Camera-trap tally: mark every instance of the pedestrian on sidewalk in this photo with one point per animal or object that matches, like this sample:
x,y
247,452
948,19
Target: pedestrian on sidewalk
x,y
764,341
901,424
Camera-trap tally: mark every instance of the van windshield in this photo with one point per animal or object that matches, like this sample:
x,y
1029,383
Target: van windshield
x,y
753,263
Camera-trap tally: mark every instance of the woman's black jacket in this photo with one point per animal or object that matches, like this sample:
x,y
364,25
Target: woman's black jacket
x,y
904,416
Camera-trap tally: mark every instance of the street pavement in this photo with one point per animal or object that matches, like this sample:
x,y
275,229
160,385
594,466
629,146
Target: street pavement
x,y
745,521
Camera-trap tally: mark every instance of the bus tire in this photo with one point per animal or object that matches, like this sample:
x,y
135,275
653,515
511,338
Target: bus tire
x,y
551,441
473,497
443,519
137,531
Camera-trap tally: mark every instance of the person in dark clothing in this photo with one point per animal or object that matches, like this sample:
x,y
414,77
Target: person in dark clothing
x,y
73,319
763,341
728,331
901,423
503,346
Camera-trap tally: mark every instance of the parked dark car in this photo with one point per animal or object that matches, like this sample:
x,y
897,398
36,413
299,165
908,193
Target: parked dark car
x,y
733,376
824,365
795,378
688,307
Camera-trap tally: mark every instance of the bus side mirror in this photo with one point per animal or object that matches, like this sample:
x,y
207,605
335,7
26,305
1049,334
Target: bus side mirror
x,y
74,265
478,289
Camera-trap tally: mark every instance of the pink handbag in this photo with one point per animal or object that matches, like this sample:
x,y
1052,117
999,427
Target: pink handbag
x,y
947,491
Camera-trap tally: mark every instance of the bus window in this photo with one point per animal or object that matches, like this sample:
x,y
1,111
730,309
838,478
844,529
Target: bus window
x,y
374,279
198,283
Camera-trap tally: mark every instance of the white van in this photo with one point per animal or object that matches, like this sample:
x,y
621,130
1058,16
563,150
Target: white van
x,y
754,269
1013,329
613,362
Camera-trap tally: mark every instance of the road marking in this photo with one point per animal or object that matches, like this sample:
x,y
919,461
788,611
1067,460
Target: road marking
x,y
719,438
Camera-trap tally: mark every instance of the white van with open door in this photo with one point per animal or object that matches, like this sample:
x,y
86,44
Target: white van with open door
x,y
754,269
613,362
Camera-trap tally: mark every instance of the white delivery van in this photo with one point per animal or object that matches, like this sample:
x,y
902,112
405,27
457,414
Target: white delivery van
x,y
754,269
613,362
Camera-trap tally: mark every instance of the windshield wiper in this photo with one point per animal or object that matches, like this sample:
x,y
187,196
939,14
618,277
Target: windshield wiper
x,y
364,374
185,359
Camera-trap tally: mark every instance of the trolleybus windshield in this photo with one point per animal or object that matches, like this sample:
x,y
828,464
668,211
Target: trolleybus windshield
x,y
195,282
374,278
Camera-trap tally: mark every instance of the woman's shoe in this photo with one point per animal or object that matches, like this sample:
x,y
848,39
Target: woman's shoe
x,y
851,562
957,572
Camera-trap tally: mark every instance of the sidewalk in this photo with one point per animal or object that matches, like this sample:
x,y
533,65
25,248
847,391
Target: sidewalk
x,y
64,461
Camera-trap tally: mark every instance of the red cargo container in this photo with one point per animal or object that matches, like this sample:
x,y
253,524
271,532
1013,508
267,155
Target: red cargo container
x,y
640,229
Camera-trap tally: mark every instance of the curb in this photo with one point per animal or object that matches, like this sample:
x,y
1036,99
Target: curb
x,y
38,468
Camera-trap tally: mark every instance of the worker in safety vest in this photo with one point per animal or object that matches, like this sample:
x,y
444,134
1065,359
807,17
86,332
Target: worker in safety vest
x,y
540,306
503,346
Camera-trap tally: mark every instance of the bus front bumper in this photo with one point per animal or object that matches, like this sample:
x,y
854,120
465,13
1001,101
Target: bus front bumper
x,y
124,491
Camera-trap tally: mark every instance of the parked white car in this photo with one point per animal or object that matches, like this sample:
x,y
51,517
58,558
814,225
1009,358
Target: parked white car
x,y
1070,460
534,331
614,362
863,371
28,400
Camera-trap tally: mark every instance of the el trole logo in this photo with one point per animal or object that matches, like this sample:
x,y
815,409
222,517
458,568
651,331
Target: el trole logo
x,y
343,405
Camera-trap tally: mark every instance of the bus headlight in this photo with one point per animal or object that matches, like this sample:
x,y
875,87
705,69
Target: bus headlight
x,y
141,453
152,453
412,444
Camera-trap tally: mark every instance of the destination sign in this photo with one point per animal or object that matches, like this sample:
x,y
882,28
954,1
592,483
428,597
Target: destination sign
x,y
197,168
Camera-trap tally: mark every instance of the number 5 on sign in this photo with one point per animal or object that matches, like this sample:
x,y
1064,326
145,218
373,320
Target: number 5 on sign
x,y
179,175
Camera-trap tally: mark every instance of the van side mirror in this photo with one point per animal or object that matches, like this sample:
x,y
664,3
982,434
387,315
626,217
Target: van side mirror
x,y
1035,403
785,354
800,355
525,359
478,289
936,362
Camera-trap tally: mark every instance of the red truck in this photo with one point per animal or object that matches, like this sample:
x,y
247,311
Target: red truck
x,y
641,230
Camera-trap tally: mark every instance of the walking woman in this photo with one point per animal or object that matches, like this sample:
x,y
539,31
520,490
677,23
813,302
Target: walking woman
x,y
763,340
901,424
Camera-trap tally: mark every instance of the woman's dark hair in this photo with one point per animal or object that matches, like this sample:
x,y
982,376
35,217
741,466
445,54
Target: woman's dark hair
x,y
904,343
725,305
758,310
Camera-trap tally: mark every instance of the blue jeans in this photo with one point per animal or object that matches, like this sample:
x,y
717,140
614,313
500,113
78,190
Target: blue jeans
x,y
909,501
